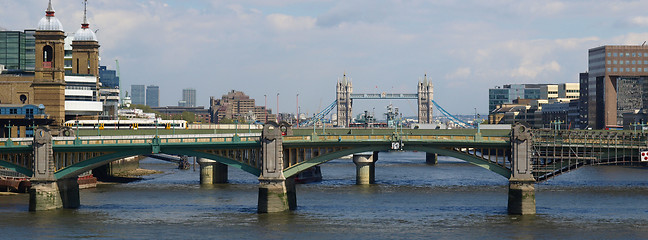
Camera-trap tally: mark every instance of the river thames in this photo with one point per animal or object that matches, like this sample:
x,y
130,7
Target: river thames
x,y
410,200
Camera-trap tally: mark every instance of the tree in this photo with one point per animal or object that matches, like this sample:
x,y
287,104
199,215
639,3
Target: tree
x,y
189,117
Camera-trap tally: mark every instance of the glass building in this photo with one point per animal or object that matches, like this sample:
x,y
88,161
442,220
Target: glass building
x,y
188,97
138,95
108,78
17,50
152,96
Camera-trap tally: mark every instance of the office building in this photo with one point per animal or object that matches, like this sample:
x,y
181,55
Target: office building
x,y
507,93
108,78
616,83
237,105
188,98
17,50
138,95
152,96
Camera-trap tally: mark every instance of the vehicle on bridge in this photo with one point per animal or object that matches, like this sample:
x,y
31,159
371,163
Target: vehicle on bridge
x,y
126,124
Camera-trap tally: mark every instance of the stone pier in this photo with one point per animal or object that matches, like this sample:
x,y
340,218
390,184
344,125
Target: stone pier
x,y
431,158
212,172
46,192
521,197
365,167
275,194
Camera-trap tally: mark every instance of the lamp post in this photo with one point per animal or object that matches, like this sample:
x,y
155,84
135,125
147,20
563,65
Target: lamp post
x,y
265,107
277,107
297,116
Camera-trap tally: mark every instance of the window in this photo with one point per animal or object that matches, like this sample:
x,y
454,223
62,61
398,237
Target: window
x,y
615,54
639,69
627,54
634,54
609,70
627,61
614,69
634,62
615,61
621,62
609,54
620,69
609,62
627,69
13,111
634,69
645,61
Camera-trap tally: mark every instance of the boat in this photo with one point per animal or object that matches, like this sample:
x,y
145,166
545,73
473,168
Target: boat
x,y
313,174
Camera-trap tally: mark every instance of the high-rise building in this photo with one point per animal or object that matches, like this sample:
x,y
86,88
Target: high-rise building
x,y
188,98
617,80
108,78
17,50
138,95
152,96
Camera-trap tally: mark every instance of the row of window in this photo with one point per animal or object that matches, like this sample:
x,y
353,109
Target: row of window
x,y
626,62
627,70
634,54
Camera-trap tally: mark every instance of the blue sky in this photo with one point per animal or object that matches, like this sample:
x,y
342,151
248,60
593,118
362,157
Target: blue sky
x,y
290,46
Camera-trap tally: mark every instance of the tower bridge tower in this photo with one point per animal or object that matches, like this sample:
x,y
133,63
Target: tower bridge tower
x,y
344,102
425,91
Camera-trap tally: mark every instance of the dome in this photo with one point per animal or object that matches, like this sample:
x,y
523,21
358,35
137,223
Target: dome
x,y
85,34
49,22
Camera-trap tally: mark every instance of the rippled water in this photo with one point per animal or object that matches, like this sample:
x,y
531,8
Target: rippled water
x,y
410,200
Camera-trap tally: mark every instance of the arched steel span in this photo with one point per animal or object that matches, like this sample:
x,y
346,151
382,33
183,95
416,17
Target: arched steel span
x,y
84,166
481,162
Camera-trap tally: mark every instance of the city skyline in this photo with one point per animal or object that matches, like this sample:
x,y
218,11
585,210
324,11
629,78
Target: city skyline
x,y
291,47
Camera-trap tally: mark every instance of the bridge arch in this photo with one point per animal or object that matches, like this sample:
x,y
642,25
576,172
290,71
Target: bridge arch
x,y
502,171
89,164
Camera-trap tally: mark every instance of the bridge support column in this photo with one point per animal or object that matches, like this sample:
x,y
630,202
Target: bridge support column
x,y
365,168
69,191
212,172
431,158
521,197
274,193
44,195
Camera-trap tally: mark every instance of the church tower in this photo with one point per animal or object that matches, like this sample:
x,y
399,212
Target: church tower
x,y
49,81
85,49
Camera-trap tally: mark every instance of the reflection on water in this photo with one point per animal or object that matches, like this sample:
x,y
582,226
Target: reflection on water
x,y
410,200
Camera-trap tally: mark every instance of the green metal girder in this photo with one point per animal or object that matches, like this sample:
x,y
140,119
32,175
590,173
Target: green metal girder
x,y
227,161
331,156
17,168
466,157
89,164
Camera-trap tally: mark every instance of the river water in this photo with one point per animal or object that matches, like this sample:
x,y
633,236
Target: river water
x,y
410,200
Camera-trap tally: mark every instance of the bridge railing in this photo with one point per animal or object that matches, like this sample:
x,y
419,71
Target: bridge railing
x,y
150,139
392,137
16,141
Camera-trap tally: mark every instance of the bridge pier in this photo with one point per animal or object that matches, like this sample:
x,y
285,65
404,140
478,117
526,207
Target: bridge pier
x,y
212,172
521,197
431,158
44,195
365,167
276,194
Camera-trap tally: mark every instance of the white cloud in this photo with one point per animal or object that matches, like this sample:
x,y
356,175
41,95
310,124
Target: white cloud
x,y
531,70
289,23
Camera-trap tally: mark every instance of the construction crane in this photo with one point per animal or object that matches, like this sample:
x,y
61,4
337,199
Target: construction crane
x,y
118,79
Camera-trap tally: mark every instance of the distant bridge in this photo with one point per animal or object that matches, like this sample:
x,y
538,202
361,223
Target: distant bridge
x,y
524,156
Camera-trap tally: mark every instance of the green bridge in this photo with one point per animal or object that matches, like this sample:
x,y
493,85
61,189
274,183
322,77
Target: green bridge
x,y
524,156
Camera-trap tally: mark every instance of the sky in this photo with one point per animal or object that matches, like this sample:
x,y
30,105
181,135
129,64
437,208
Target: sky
x,y
291,47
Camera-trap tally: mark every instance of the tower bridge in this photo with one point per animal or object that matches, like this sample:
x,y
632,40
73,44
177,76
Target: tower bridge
x,y
524,156
344,99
